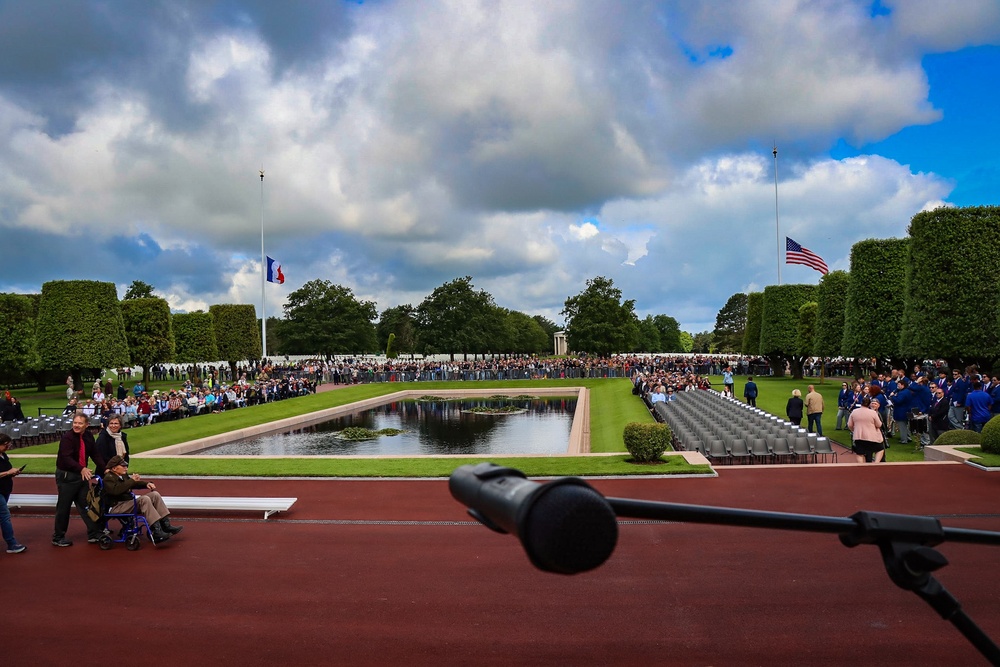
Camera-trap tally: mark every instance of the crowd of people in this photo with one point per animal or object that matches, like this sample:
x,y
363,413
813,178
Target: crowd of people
x,y
137,407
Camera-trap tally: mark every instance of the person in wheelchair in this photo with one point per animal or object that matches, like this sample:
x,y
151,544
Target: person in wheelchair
x,y
118,486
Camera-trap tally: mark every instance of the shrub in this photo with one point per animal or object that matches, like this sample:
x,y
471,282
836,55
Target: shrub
x,y
958,437
646,442
991,436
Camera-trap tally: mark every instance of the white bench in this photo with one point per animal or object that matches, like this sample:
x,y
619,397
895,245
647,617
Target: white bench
x,y
268,506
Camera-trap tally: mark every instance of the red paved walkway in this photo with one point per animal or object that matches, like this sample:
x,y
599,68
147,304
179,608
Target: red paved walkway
x,y
313,588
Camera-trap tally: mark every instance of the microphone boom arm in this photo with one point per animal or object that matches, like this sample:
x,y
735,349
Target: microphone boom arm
x,y
904,541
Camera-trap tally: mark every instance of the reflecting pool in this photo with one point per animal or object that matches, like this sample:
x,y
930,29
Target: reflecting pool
x,y
429,428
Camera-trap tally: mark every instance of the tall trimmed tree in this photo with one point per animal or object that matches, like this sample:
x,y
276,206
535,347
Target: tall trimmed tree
x,y
952,304
80,328
807,328
194,340
236,334
875,297
751,335
779,326
148,332
831,297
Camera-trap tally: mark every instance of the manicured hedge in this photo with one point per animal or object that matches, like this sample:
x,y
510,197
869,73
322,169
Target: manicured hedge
x,y
875,299
990,441
958,437
755,308
952,285
779,323
80,326
646,442
831,295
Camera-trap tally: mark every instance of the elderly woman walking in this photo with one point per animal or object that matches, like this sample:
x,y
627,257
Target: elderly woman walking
x,y
865,426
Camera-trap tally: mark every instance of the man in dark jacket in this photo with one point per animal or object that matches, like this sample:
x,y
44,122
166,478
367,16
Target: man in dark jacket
x,y
118,486
937,415
73,480
750,392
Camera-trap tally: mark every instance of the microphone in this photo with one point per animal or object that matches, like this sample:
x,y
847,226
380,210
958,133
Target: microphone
x,y
565,526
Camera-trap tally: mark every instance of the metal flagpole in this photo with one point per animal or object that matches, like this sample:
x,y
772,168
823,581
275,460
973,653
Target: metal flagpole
x,y
263,272
777,233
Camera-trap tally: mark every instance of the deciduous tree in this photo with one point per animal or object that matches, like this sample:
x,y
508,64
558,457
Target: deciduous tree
x,y
731,324
598,321
327,319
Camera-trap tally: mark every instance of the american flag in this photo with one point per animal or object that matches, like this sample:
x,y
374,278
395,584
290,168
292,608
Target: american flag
x,y
796,254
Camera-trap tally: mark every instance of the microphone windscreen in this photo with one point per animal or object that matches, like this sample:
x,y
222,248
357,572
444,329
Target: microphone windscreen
x,y
569,528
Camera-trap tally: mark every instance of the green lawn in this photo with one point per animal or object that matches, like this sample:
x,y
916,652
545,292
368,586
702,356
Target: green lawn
x,y
612,405
985,459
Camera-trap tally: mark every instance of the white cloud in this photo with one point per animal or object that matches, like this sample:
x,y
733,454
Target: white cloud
x,y
530,145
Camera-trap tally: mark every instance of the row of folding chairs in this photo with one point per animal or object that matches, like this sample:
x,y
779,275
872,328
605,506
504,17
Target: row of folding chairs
x,y
36,430
728,431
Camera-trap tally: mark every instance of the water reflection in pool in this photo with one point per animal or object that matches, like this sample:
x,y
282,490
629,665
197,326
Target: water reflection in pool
x,y
431,428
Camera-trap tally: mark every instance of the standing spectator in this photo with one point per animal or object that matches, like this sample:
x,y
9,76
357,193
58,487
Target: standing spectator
x,y
794,408
72,479
902,401
814,411
750,392
844,402
937,416
865,425
959,392
7,475
978,403
727,381
138,389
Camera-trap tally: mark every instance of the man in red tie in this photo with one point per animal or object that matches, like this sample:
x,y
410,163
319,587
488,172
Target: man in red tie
x,y
73,479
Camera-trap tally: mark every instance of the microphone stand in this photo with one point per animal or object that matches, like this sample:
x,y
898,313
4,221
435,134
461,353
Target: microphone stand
x,y
904,540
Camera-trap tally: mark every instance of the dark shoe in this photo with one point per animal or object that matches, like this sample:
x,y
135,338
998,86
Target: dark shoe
x,y
156,532
167,528
16,549
62,542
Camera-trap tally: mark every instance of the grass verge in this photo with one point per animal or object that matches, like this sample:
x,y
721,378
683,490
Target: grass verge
x,y
401,467
984,459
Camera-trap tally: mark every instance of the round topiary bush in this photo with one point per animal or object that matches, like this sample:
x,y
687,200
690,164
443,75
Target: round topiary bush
x,y
990,441
647,442
958,437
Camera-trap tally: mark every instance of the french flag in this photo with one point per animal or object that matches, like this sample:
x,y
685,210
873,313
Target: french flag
x,y
274,274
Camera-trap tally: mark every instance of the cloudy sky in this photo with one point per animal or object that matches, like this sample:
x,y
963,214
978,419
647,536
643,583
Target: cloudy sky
x,y
531,145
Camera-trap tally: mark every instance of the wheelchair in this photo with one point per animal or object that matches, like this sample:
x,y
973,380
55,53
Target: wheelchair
x,y
132,525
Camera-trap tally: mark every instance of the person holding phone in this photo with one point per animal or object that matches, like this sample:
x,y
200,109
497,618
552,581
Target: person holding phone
x,y
7,475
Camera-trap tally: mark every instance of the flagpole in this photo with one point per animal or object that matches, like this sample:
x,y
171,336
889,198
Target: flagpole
x,y
263,271
777,233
